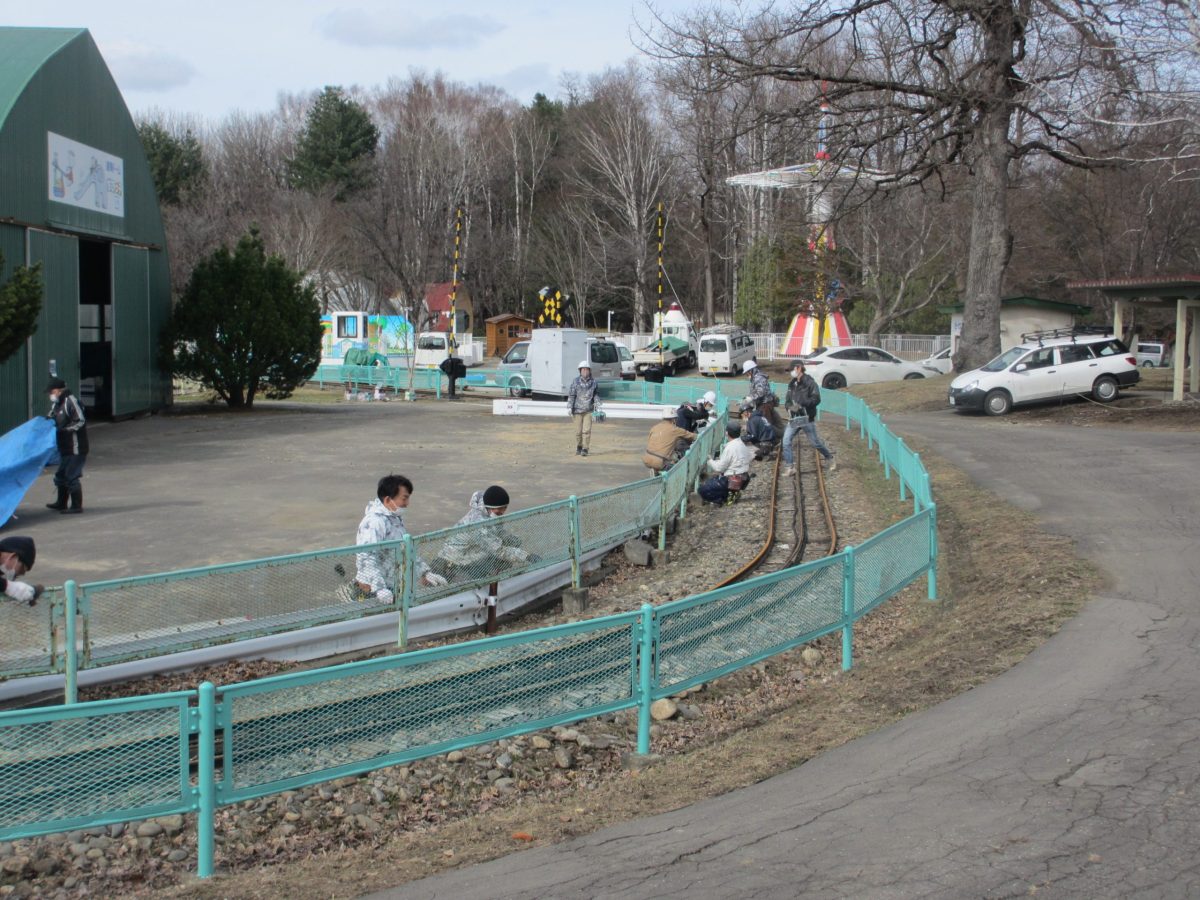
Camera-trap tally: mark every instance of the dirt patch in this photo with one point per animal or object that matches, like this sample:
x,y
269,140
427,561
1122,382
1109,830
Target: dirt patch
x,y
1004,588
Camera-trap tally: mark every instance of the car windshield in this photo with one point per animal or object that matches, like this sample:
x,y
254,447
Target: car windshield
x,y
623,352
713,345
431,343
1005,359
604,353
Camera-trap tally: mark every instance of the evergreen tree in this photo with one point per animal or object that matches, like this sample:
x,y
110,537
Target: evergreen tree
x,y
20,303
245,323
177,163
336,146
762,298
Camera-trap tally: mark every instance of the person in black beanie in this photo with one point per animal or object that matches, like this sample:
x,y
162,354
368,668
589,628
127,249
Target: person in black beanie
x,y
17,555
71,426
490,549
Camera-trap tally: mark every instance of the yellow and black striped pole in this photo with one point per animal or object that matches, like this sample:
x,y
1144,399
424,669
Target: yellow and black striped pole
x,y
661,361
458,215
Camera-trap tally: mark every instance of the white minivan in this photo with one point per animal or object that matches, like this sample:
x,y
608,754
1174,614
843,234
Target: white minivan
x,y
724,349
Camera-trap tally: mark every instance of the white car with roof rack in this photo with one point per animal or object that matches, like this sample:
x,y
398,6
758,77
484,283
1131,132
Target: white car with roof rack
x,y
1048,365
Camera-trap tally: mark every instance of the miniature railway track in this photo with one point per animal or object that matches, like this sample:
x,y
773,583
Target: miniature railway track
x,y
800,520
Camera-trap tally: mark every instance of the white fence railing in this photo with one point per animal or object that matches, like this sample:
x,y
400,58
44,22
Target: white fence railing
x,y
768,344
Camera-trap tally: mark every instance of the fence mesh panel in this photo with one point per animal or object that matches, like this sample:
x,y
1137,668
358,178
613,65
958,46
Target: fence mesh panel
x,y
155,615
477,554
609,516
735,624
88,764
302,726
889,560
25,636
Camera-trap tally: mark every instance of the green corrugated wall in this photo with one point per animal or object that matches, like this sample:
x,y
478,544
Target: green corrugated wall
x,y
14,383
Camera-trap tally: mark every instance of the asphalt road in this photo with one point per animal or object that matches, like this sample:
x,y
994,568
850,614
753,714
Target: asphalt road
x,y
1075,774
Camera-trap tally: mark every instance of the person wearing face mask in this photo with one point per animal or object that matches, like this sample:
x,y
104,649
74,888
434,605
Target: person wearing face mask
x,y
375,575
71,428
485,550
803,397
16,559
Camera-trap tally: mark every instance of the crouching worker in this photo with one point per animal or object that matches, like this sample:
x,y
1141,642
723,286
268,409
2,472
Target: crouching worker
x,y
665,445
731,470
756,430
16,559
486,550
375,578
694,416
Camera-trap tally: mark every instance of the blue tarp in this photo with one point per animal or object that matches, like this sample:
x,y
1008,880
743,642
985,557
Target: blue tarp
x,y
24,452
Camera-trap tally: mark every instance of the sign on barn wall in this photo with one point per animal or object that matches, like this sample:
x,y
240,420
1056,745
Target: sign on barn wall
x,y
83,176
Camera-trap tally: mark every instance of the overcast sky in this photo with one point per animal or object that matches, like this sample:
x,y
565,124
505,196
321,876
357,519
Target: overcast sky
x,y
210,57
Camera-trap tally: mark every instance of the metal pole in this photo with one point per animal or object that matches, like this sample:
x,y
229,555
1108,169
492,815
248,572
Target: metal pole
x,y
931,572
206,784
645,678
576,544
71,689
662,511
407,587
458,216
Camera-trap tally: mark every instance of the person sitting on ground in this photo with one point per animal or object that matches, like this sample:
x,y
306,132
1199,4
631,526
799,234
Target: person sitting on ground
x,y
375,576
483,550
17,554
757,430
694,416
665,445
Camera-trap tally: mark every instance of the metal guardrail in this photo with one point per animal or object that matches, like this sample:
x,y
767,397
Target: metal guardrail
x,y
115,760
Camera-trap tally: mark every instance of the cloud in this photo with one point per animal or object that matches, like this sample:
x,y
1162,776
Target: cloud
x,y
525,81
138,68
359,28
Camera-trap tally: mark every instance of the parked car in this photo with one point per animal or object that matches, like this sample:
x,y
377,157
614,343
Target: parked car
x,y
724,349
515,370
1150,354
836,367
628,366
1048,365
940,362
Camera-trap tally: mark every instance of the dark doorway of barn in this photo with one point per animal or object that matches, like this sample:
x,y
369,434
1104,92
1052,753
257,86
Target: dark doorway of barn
x,y
95,328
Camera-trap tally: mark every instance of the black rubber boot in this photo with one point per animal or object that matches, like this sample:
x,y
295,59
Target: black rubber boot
x,y
76,502
61,503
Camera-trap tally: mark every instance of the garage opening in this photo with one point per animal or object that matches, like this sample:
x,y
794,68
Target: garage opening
x,y
95,328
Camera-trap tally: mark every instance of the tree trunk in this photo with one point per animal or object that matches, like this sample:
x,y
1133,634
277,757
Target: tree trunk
x,y
990,243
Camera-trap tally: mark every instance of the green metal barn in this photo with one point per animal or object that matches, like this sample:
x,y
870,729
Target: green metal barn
x,y
76,195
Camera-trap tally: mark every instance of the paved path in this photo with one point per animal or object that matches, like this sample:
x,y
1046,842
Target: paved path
x,y
1075,774
175,491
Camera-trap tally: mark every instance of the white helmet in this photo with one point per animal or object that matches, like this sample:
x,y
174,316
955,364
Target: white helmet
x,y
710,398
748,365
584,365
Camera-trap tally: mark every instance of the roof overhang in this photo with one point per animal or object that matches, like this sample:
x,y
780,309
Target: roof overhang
x,y
1157,290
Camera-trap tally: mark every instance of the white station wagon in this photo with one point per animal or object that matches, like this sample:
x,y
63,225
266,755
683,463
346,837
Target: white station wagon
x,y
1048,365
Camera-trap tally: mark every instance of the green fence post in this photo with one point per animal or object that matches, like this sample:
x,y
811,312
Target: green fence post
x,y
847,608
206,779
931,572
663,514
645,678
576,544
71,688
407,588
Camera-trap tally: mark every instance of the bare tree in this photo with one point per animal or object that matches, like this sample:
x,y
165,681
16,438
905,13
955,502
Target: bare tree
x,y
946,83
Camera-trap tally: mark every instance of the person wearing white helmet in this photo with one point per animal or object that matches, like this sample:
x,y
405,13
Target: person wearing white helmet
x,y
693,416
581,403
761,393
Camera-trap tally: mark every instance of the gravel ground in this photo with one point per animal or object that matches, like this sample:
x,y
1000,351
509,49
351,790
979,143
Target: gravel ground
x,y
365,811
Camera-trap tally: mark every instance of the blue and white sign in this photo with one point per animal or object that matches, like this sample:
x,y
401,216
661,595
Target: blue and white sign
x,y
84,176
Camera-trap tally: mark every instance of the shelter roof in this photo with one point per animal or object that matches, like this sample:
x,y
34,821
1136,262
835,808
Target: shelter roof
x,y
504,317
23,51
1155,287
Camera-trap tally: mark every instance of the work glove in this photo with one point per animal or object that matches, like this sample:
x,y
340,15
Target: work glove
x,y
383,595
433,579
513,554
25,593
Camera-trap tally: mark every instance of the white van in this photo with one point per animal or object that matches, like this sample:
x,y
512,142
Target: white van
x,y
433,347
555,354
724,349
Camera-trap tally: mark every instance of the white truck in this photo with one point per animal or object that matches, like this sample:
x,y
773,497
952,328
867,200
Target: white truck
x,y
432,349
675,345
555,354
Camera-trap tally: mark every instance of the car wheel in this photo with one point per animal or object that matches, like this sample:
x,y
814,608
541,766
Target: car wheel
x,y
517,389
997,403
913,375
1148,364
834,381
1105,389
691,361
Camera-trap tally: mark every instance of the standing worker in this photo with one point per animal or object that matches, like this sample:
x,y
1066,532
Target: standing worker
x,y
761,393
581,403
71,427
803,397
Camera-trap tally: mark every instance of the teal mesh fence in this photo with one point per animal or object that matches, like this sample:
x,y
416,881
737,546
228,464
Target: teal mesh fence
x,y
708,635
297,729
26,635
92,763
